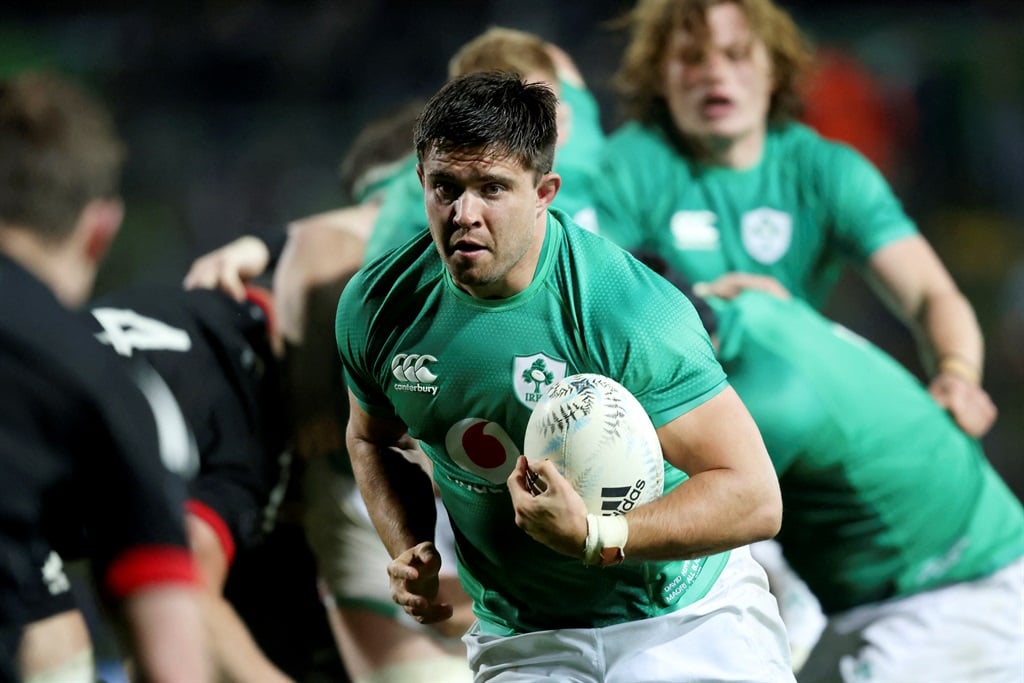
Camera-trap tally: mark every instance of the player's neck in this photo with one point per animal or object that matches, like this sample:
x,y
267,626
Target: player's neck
x,y
55,264
738,153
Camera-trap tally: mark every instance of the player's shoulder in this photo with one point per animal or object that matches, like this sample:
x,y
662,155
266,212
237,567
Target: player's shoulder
x,y
588,249
608,275
634,135
178,329
394,277
52,350
192,309
644,156
800,143
34,323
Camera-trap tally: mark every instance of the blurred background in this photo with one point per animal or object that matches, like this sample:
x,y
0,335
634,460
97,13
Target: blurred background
x,y
237,113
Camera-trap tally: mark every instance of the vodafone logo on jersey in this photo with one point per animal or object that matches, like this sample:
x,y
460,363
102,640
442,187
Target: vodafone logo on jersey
x,y
483,448
413,372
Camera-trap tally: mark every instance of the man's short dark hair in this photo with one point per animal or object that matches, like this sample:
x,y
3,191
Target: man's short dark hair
x,y
491,113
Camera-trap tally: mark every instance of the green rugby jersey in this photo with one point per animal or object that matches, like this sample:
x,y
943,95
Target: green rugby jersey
x,y
402,215
807,208
464,375
883,495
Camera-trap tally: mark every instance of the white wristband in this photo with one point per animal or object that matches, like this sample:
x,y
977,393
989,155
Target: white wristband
x,y
605,533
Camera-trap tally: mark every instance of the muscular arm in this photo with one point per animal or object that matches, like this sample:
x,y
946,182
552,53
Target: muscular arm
x,y
398,494
915,284
732,497
400,500
319,249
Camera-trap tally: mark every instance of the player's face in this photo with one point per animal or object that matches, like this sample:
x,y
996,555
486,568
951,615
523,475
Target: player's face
x,y
487,216
719,96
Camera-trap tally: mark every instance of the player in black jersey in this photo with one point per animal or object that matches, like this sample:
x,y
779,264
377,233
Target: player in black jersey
x,y
88,450
221,360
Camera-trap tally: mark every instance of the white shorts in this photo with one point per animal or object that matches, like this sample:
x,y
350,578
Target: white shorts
x,y
351,559
733,634
971,632
801,612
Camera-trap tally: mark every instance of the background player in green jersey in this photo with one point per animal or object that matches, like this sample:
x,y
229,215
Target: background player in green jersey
x,y
580,136
712,172
501,283
893,516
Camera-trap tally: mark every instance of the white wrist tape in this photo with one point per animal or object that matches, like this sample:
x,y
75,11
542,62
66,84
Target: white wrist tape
x,y
604,532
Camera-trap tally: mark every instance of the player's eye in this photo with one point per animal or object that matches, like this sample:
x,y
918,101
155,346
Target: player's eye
x,y
446,191
739,52
691,55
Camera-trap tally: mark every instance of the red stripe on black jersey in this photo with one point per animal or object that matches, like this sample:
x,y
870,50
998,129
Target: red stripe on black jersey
x,y
215,522
148,566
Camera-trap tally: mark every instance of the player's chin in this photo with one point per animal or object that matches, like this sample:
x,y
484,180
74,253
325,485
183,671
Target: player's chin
x,y
469,272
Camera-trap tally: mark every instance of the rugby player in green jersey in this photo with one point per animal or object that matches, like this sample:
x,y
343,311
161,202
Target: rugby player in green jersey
x,y
435,338
901,528
712,171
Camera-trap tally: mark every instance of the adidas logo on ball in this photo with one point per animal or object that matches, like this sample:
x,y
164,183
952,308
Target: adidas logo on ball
x,y
618,499
602,441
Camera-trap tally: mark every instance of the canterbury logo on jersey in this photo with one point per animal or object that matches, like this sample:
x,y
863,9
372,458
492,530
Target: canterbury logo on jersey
x,y
695,230
412,372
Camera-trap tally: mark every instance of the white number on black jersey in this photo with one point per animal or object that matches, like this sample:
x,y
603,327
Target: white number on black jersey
x,y
178,450
125,330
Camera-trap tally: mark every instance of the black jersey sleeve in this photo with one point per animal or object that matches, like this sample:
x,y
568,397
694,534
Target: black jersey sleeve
x,y
86,447
135,525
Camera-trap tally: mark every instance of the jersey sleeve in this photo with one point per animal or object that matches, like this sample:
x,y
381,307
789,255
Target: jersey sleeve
x,y
682,372
867,213
651,339
350,329
136,477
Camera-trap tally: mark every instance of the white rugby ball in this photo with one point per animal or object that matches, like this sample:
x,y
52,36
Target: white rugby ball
x,y
601,440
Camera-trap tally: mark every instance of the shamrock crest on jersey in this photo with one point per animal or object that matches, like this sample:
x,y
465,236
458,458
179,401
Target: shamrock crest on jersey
x,y
531,376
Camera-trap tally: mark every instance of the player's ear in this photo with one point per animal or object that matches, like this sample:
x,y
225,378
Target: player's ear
x,y
419,173
548,187
100,220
